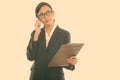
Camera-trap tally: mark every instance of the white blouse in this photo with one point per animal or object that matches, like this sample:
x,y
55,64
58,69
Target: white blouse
x,y
49,36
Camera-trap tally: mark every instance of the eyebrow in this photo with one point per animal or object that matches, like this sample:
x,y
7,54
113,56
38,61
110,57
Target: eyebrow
x,y
45,12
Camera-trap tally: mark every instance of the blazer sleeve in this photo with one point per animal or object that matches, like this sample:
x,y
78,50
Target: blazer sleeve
x,y
68,40
32,48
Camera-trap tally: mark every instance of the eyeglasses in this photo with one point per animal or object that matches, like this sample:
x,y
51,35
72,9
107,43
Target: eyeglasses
x,y
42,15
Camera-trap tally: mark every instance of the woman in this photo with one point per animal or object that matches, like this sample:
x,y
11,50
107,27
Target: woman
x,y
44,44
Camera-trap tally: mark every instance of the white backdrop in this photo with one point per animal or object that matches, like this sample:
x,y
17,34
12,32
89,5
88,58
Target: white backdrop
x,y
93,22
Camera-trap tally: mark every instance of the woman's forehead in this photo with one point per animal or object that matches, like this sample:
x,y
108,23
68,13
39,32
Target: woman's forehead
x,y
44,9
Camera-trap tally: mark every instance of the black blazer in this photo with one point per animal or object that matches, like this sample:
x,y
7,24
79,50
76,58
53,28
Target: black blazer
x,y
37,52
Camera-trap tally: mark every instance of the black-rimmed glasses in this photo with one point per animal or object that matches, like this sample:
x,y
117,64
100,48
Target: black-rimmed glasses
x,y
47,13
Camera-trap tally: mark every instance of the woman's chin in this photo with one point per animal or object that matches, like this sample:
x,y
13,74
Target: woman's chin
x,y
48,24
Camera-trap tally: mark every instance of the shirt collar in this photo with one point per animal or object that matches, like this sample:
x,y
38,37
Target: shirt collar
x,y
53,29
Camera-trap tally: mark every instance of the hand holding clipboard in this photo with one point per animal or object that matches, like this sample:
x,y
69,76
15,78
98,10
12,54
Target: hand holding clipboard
x,y
65,51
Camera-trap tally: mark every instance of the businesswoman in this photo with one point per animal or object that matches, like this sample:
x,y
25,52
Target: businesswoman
x,y
44,43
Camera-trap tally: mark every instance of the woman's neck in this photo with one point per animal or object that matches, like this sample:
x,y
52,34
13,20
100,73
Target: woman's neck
x,y
48,28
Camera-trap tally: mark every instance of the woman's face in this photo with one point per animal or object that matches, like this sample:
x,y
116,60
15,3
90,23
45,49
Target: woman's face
x,y
46,16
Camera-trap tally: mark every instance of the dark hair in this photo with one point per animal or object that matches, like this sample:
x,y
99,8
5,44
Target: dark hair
x,y
40,5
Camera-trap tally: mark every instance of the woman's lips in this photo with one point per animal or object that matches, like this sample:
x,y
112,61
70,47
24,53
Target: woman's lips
x,y
46,21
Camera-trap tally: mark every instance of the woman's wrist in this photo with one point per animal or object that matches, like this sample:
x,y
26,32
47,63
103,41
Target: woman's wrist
x,y
36,35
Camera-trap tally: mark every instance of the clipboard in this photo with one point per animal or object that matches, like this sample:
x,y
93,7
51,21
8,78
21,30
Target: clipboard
x,y
65,51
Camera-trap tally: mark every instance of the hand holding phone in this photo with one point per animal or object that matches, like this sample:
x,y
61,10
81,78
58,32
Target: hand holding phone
x,y
37,26
37,30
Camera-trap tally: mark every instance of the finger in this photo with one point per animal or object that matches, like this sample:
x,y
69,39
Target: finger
x,y
68,59
73,57
37,23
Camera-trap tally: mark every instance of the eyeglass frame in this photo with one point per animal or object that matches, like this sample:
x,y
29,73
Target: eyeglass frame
x,y
45,14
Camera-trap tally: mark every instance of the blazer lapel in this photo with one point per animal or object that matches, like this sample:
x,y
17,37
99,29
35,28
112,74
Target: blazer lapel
x,y
53,38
